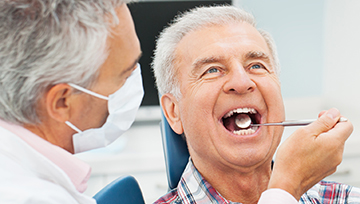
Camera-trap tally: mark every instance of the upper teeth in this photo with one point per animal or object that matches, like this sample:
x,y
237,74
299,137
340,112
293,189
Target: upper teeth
x,y
240,110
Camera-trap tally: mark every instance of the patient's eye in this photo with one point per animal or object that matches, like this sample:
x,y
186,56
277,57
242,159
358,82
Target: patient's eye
x,y
257,66
212,70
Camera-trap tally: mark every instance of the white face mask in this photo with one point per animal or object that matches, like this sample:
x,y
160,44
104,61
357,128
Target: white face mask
x,y
122,107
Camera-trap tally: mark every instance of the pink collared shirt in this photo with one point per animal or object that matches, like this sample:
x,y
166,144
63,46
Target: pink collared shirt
x,y
77,170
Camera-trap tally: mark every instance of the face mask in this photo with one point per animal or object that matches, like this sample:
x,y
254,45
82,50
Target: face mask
x,y
122,107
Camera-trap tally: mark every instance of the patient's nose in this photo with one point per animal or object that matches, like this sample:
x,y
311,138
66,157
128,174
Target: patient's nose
x,y
239,81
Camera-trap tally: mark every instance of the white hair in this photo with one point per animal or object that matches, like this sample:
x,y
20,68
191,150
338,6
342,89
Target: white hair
x,y
164,54
47,42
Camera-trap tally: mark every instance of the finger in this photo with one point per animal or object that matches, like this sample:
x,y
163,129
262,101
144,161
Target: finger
x,y
321,113
325,122
342,131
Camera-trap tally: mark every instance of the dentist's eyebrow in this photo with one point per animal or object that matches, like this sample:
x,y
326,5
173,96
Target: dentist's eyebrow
x,y
131,67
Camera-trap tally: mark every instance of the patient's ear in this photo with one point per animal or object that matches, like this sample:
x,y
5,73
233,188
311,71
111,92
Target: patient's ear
x,y
170,108
57,102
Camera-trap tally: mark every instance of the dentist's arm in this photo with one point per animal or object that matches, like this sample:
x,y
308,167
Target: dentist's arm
x,y
310,154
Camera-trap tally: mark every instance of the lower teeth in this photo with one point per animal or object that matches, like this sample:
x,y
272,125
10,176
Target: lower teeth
x,y
249,131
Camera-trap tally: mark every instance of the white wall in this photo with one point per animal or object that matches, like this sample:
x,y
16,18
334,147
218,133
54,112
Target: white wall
x,y
342,55
341,74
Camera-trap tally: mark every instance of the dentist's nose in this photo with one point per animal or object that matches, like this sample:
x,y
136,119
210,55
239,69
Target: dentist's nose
x,y
239,81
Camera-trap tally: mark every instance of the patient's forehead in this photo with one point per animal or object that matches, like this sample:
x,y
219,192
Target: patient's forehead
x,y
219,41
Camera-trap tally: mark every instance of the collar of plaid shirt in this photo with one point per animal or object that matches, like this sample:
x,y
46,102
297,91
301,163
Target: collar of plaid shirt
x,y
193,188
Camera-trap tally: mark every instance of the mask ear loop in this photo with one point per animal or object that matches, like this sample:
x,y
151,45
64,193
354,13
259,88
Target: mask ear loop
x,y
88,91
73,127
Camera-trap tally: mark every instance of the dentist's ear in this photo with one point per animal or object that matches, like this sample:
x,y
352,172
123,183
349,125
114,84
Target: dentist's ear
x,y
170,108
57,102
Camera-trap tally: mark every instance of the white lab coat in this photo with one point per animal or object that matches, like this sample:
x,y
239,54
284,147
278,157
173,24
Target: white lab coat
x,y
26,176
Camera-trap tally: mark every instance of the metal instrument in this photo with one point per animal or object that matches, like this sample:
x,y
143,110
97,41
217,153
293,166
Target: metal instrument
x,y
293,123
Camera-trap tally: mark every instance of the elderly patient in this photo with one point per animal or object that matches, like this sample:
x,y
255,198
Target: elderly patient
x,y
215,70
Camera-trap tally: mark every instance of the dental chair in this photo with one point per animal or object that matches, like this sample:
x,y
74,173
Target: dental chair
x,y
175,152
123,190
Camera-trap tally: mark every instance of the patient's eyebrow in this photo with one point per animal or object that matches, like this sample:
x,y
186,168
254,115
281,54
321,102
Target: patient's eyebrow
x,y
206,60
212,59
258,55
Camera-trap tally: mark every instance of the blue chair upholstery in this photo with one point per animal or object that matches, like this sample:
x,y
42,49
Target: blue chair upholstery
x,y
175,151
123,190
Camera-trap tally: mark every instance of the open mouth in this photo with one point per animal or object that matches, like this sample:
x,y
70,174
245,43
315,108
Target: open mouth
x,y
238,121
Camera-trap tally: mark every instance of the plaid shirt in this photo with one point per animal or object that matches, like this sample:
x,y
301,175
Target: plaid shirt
x,y
193,188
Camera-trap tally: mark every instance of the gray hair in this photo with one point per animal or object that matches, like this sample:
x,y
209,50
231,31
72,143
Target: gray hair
x,y
164,54
47,42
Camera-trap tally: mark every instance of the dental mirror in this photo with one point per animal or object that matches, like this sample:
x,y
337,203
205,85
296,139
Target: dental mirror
x,y
243,121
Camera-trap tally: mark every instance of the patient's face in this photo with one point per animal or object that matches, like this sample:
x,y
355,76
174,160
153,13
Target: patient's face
x,y
224,71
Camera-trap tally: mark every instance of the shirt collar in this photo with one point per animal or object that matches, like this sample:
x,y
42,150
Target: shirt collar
x,y
77,170
194,188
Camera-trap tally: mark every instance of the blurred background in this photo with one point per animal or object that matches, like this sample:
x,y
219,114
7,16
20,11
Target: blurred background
x,y
318,45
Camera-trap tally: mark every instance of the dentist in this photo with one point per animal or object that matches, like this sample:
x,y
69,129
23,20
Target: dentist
x,y
70,82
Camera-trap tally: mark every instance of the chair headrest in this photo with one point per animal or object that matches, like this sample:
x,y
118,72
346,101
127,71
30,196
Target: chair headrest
x,y
175,151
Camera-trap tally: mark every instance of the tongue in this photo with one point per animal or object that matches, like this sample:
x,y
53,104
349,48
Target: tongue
x,y
229,123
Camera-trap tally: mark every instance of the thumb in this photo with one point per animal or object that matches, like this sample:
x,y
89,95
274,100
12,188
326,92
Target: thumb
x,y
325,122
